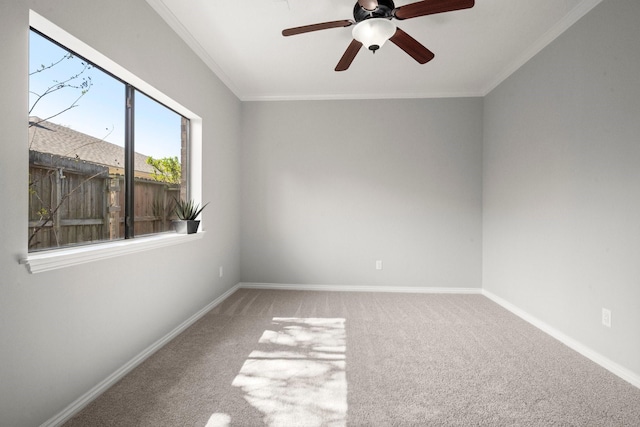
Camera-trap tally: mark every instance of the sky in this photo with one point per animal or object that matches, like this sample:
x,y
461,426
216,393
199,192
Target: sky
x,y
101,111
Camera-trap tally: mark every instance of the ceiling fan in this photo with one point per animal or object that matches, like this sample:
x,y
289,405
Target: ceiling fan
x,y
373,26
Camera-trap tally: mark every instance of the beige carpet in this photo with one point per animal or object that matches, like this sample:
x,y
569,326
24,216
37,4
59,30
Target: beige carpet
x,y
293,358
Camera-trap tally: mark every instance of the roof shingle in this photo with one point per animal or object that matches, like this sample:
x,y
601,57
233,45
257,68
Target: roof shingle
x,y
47,137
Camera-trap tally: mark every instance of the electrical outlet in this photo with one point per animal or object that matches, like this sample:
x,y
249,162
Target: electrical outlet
x,y
606,317
379,265
220,272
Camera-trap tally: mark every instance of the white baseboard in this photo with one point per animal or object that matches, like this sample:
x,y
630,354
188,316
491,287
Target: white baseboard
x,y
608,364
100,388
342,288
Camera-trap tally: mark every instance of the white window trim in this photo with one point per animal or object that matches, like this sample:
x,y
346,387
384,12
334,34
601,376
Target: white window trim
x,y
53,259
39,262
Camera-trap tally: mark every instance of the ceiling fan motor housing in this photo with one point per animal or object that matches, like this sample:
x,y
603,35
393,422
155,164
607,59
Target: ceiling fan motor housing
x,y
384,10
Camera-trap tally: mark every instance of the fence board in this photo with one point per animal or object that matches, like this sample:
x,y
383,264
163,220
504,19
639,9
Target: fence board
x,y
90,204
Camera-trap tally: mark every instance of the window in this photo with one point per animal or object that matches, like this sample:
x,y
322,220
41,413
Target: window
x,y
106,160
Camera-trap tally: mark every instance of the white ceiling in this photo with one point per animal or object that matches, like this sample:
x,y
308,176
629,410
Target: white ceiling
x,y
477,48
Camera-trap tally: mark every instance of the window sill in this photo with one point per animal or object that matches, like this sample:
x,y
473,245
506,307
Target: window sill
x,y
61,258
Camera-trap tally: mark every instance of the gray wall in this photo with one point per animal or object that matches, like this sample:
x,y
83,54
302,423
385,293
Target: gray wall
x,y
63,332
329,187
562,183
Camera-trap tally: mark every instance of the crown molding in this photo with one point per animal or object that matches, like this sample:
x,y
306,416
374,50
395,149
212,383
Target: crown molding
x,y
563,25
175,24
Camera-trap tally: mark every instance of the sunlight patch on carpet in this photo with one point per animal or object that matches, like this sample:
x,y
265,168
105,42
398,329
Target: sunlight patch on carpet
x,y
297,375
219,420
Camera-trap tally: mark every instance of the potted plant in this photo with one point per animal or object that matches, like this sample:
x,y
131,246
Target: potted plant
x,y
187,211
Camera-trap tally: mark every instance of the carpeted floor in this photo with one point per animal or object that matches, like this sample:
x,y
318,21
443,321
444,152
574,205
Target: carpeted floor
x,y
302,358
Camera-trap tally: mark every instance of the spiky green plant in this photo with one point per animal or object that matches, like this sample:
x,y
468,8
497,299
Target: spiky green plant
x,y
188,209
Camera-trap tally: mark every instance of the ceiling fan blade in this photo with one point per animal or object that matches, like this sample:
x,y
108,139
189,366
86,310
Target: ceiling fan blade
x,y
368,4
430,7
349,55
316,27
411,46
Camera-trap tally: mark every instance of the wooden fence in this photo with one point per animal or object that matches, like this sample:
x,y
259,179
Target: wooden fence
x,y
74,202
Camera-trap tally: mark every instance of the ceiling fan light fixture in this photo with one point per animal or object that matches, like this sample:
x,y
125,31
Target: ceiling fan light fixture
x,y
374,32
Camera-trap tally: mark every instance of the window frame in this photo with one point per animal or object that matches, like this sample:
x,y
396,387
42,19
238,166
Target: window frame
x,y
50,259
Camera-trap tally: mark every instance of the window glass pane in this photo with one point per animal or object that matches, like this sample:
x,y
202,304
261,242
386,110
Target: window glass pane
x,y
76,149
160,178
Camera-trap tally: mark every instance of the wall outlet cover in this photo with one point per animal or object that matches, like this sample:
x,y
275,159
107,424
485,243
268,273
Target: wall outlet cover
x,y
606,317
